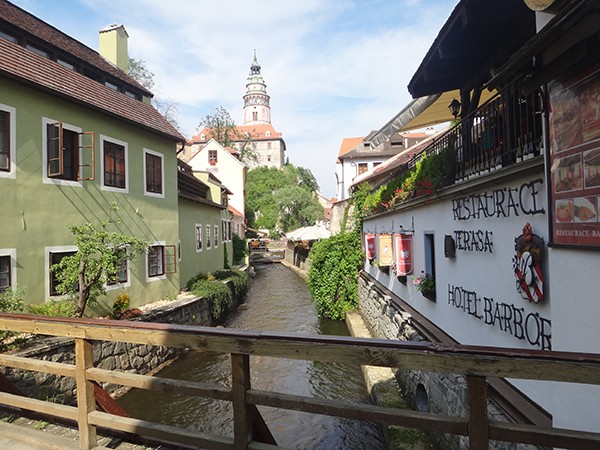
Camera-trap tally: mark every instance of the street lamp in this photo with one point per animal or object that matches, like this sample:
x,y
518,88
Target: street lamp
x,y
454,107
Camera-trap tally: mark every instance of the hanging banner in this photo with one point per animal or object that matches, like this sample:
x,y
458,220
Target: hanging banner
x,y
370,245
385,250
403,252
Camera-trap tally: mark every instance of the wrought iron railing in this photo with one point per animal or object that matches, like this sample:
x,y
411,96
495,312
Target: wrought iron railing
x,y
504,131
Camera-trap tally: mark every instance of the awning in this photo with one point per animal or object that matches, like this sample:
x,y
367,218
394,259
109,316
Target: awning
x,y
311,233
422,112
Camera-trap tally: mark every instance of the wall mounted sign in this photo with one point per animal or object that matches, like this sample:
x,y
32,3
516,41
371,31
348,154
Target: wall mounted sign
x,y
527,265
370,246
385,250
574,189
403,252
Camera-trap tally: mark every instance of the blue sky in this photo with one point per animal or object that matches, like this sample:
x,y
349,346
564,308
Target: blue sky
x,y
333,68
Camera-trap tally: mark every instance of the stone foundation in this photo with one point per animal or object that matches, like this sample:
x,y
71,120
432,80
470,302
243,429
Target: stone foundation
x,y
438,393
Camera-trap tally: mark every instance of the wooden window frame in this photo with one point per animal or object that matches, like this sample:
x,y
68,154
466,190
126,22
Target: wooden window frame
x,y
83,157
111,146
9,149
152,173
199,231
6,273
53,280
212,157
165,264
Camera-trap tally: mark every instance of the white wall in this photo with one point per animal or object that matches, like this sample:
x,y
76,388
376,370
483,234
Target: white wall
x,y
571,287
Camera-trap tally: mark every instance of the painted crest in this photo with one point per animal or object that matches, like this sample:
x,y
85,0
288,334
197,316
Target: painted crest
x,y
527,265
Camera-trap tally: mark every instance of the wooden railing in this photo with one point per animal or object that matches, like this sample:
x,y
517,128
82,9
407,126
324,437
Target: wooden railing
x,y
475,363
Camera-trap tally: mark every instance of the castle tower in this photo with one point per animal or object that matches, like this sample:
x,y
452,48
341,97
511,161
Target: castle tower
x,y
257,109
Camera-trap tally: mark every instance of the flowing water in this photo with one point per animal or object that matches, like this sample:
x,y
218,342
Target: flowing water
x,y
278,300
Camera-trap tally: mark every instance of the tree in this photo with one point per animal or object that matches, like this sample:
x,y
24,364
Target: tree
x,y
281,199
222,128
100,253
167,107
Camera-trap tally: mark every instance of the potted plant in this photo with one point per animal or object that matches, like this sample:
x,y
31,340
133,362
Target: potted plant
x,y
425,284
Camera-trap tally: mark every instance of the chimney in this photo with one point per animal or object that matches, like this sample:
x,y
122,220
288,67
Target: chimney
x,y
113,46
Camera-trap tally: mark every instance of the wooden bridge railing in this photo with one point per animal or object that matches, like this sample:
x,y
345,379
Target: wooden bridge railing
x,y
475,363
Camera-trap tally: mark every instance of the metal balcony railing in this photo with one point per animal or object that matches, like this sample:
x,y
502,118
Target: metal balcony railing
x,y
504,131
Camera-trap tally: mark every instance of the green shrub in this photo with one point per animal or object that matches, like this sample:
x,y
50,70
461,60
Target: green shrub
x,y
240,249
333,275
238,280
11,301
192,281
217,293
61,308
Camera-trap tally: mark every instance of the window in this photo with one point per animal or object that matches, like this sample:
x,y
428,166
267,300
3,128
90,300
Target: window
x,y
5,273
254,115
153,173
198,238
69,153
121,276
216,236
429,256
212,157
8,37
66,64
37,50
362,168
161,261
114,164
8,146
112,86
207,236
55,258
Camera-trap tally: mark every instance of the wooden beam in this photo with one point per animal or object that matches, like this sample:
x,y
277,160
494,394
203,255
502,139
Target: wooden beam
x,y
478,414
86,402
240,382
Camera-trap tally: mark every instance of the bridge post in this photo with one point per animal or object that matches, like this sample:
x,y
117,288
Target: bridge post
x,y
86,403
478,414
240,384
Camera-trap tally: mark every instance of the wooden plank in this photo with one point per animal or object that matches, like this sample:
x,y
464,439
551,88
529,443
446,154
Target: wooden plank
x,y
86,402
37,365
483,361
164,433
160,384
478,414
551,437
240,383
40,406
29,437
357,411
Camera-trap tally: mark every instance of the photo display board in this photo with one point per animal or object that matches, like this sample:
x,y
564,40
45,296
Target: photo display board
x,y
574,186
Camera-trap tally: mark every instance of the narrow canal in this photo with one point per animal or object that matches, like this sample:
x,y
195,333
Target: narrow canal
x,y
278,300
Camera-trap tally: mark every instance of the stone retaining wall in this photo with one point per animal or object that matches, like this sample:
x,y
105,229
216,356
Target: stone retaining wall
x,y
440,393
133,358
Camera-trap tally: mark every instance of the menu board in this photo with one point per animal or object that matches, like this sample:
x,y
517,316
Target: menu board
x,y
575,159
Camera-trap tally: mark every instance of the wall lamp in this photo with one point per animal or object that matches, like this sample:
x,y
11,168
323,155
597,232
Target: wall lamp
x,y
454,108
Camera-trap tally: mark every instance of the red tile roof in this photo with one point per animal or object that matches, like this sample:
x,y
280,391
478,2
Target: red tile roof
x,y
25,66
349,144
56,38
234,211
257,133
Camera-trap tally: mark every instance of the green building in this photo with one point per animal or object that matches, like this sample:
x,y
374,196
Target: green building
x,y
77,134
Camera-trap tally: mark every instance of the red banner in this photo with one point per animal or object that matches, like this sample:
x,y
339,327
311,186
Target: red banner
x,y
403,252
370,244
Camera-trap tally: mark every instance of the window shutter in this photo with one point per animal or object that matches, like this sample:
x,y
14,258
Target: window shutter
x,y
87,168
55,150
170,259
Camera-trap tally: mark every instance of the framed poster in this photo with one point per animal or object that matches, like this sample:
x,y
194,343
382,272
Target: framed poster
x,y
574,174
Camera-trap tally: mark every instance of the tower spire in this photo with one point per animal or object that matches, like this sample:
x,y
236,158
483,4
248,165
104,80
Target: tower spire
x,y
257,109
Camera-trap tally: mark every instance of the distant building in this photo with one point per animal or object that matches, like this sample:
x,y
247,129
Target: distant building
x,y
256,137
357,156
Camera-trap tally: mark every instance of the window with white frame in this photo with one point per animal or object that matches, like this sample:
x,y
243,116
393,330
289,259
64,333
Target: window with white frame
x,y
114,161
198,237
216,236
121,275
161,260
7,141
153,173
208,242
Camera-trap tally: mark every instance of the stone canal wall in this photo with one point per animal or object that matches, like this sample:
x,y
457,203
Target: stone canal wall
x,y
133,358
440,393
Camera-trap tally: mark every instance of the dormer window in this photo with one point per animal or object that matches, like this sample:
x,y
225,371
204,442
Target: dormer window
x,y
268,133
203,137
